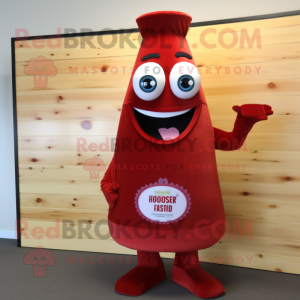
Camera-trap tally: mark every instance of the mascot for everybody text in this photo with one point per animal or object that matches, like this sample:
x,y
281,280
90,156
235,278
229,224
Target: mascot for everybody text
x,y
158,200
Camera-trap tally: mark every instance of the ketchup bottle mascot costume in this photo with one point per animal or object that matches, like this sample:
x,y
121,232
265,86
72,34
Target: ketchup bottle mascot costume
x,y
162,185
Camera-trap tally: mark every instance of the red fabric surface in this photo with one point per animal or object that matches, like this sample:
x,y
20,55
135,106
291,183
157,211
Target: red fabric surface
x,y
149,272
109,187
133,169
159,22
188,273
188,161
248,115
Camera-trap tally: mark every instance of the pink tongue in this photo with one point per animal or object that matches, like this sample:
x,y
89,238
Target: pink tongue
x,y
168,134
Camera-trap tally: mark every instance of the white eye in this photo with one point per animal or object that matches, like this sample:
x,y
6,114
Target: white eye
x,y
149,81
185,80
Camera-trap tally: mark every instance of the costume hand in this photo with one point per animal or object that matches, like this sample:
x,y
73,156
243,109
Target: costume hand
x,y
110,193
254,112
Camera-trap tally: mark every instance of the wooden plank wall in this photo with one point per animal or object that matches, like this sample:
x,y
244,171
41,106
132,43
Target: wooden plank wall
x,y
260,183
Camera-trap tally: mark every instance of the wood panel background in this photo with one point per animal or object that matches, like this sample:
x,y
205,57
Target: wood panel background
x,y
260,183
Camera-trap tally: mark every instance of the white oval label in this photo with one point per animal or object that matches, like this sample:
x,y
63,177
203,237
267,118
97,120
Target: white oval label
x,y
162,202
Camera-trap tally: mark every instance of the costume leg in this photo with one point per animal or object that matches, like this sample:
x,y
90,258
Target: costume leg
x,y
149,272
188,273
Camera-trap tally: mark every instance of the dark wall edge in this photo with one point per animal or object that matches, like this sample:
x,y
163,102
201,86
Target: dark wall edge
x,y
16,152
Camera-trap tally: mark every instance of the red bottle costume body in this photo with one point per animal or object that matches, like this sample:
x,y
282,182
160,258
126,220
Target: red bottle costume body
x,y
163,188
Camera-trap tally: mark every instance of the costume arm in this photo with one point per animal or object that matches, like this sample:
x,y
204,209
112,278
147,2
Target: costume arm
x,y
247,116
108,185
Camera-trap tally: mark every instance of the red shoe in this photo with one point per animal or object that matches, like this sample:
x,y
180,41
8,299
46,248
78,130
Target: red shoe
x,y
188,273
149,272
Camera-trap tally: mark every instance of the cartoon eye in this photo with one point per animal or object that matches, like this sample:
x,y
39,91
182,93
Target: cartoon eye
x,y
36,68
186,83
45,68
43,258
185,80
149,81
35,258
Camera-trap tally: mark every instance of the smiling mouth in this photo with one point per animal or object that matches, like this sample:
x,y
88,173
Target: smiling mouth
x,y
164,125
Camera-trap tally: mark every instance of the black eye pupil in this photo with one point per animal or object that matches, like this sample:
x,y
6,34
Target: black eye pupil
x,y
148,83
186,83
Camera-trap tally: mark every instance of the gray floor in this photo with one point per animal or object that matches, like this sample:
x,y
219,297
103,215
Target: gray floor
x,y
96,281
